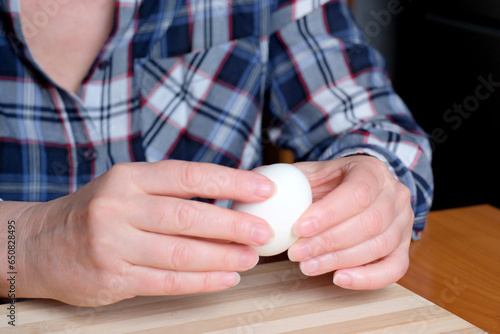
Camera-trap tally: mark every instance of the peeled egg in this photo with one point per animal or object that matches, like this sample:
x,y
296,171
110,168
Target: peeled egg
x,y
291,198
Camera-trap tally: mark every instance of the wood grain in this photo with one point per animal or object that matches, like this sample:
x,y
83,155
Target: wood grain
x,y
456,264
271,298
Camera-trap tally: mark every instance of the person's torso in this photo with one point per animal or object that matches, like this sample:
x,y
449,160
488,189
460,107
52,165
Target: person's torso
x,y
175,80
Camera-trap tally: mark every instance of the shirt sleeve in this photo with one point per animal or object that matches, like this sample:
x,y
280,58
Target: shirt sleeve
x,y
330,96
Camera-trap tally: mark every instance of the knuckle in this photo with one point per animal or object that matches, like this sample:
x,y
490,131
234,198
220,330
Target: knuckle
x,y
383,244
404,200
334,260
405,193
100,207
362,193
96,205
410,219
403,268
373,282
227,259
208,282
191,177
222,180
180,255
93,232
324,243
121,171
377,166
164,220
95,246
121,175
380,166
172,282
373,222
185,217
370,282
239,228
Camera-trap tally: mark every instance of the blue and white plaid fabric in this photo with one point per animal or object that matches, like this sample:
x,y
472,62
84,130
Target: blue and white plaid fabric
x,y
192,80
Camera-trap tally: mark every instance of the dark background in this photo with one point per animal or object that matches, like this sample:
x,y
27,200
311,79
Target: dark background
x,y
444,59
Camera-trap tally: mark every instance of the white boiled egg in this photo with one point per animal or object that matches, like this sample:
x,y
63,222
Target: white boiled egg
x,y
291,198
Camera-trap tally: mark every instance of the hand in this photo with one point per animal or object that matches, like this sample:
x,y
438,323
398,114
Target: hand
x,y
359,224
131,231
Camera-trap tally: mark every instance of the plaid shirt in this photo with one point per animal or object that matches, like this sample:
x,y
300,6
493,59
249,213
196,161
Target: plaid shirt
x,y
192,80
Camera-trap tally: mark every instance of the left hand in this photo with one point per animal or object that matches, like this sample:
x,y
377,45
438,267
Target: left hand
x,y
359,224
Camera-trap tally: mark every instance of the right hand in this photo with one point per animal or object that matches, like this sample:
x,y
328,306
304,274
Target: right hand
x,y
131,231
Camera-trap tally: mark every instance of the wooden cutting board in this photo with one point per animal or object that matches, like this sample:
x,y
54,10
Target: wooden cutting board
x,y
271,298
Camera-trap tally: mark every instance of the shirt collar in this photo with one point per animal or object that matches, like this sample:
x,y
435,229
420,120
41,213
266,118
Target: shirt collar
x,y
12,25
124,24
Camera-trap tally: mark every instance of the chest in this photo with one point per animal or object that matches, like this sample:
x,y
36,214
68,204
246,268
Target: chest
x,y
66,37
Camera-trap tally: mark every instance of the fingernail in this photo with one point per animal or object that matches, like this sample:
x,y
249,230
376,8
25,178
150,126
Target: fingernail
x,y
231,279
300,251
309,267
264,187
249,259
342,279
307,228
262,234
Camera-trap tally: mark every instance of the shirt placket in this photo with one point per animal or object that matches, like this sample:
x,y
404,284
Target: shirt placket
x,y
107,94
87,118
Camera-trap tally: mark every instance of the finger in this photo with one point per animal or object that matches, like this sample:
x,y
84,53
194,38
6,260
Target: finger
x,y
323,176
186,179
145,281
174,216
375,275
361,254
186,254
364,226
359,188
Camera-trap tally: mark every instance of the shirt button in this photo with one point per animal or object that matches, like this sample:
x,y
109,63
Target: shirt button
x,y
89,154
104,65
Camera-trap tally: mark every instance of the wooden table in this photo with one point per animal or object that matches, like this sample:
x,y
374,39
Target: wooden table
x,y
271,298
456,264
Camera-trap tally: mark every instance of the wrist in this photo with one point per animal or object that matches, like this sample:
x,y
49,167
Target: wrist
x,y
16,233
